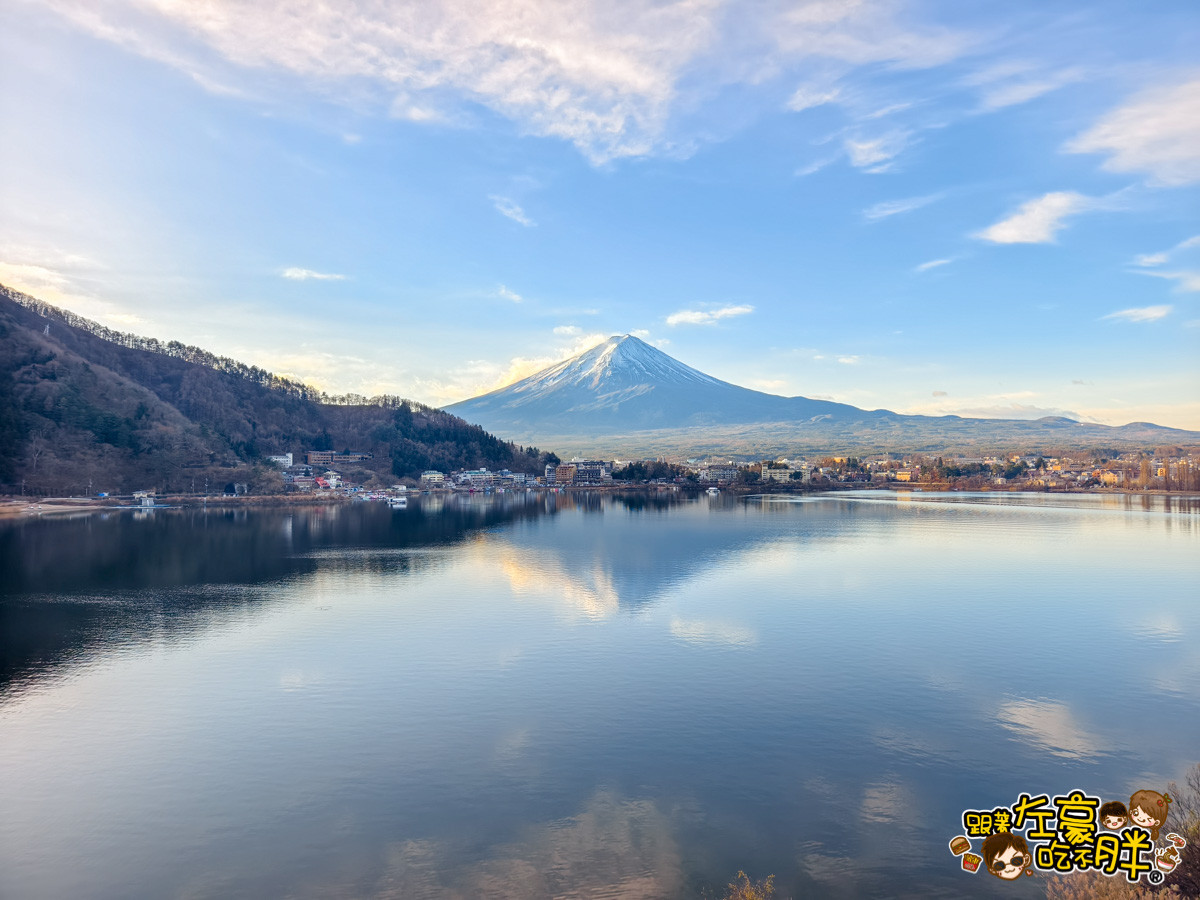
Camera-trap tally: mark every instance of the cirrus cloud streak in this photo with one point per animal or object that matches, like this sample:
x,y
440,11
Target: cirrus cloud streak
x,y
1157,132
707,317
1037,221
1141,314
297,274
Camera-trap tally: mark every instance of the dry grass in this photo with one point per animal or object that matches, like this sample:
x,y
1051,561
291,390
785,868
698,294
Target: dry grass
x,y
742,888
1094,886
1183,818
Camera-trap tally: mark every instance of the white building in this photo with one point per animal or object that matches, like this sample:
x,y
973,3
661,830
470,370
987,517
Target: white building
x,y
477,478
284,460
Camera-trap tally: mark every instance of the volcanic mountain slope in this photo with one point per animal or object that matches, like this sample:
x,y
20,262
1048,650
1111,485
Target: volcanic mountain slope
x,y
625,385
626,397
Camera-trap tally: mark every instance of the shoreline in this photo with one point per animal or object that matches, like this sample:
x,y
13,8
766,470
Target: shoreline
x,y
21,507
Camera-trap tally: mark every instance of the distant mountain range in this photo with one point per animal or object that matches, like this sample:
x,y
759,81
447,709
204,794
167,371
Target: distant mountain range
x,y
626,397
84,405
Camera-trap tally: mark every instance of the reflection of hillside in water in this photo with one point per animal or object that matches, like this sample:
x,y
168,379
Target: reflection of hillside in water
x,y
75,586
71,586
169,548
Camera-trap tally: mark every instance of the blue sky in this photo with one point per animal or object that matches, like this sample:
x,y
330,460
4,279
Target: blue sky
x,y
983,209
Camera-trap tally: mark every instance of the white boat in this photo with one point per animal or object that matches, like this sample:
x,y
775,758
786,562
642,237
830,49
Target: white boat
x,y
713,491
398,503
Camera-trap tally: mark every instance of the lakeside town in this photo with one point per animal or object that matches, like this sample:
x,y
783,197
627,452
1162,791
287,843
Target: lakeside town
x,y
324,471
330,476
325,475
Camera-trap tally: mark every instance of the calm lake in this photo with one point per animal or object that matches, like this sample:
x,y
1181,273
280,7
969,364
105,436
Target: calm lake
x,y
586,696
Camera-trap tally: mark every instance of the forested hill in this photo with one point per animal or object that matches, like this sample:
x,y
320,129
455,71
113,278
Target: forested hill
x,y
87,405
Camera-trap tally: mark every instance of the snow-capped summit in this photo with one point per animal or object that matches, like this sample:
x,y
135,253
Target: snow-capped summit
x,y
621,360
624,385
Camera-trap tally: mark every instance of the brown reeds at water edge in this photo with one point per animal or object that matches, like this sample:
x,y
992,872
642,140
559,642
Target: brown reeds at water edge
x,y
1183,818
1181,884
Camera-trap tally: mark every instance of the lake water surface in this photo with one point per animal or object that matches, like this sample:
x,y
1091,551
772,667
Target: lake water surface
x,y
534,696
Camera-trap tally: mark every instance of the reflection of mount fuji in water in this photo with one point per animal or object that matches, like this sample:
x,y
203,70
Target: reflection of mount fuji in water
x,y
586,559
626,552
627,398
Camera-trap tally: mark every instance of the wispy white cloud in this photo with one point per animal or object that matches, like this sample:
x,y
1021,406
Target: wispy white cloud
x,y
1157,133
864,32
508,207
507,294
932,264
848,360
1037,221
707,317
607,78
816,165
405,107
1015,82
895,207
1022,92
128,27
814,94
1187,279
295,274
876,153
1141,314
568,330
645,336
888,110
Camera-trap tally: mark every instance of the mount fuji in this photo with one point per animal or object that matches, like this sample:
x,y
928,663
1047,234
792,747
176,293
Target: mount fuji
x,y
624,385
625,396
